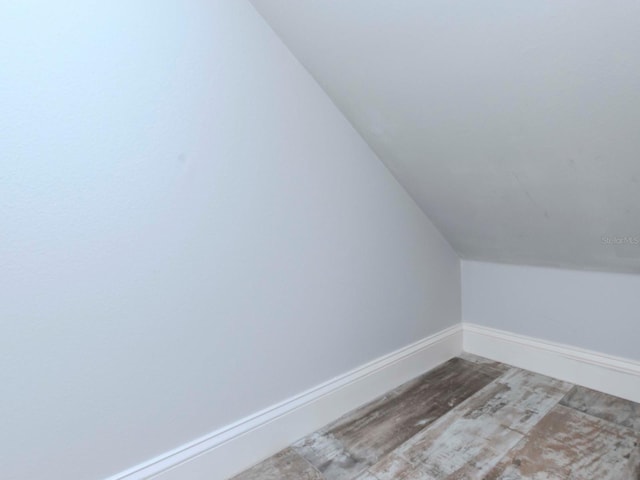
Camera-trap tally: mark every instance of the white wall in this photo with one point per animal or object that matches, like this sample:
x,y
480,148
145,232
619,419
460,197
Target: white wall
x,y
591,310
191,231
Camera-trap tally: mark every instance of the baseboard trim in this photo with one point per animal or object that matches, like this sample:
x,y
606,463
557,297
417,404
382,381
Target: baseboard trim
x,y
231,449
606,373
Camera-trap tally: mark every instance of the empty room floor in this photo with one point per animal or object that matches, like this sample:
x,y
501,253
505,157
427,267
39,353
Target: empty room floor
x,y
471,418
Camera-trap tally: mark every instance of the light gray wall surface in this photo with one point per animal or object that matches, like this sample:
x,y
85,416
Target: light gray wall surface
x,y
591,310
191,232
513,124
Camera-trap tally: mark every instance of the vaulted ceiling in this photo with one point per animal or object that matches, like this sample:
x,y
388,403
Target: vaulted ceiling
x,y
514,125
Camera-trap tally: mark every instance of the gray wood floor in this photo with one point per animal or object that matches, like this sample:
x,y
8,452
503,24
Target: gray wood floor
x,y
469,419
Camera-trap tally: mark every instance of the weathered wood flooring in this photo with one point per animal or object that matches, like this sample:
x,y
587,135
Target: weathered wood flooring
x,y
469,419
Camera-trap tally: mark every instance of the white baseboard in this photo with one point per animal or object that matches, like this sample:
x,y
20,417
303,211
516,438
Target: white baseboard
x,y
230,450
605,373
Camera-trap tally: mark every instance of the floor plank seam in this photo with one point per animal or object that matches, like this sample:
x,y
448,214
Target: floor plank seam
x,y
311,465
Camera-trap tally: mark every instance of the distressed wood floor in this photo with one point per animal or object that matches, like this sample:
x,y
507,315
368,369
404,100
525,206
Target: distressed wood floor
x,y
470,419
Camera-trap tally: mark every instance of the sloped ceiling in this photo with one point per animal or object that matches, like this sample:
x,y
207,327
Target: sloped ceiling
x,y
514,125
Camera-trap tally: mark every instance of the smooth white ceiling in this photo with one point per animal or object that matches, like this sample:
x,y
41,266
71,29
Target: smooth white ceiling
x,y
514,125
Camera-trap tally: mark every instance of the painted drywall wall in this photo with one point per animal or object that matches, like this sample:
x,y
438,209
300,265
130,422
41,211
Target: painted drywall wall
x,y
514,125
191,232
591,310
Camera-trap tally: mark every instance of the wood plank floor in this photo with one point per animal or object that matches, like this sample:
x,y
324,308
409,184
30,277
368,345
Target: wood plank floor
x,y
469,419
